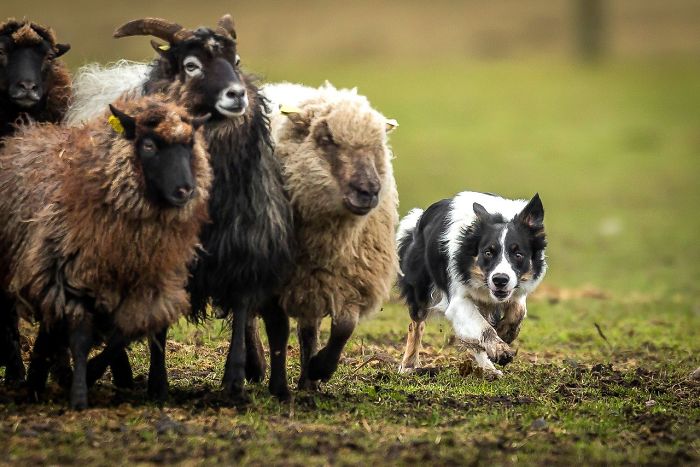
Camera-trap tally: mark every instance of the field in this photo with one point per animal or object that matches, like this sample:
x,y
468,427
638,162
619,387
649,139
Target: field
x,y
605,357
613,152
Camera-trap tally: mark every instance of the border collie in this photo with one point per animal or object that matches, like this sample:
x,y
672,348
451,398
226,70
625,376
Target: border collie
x,y
475,258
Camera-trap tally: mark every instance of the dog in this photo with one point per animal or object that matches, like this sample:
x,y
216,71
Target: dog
x,y
475,258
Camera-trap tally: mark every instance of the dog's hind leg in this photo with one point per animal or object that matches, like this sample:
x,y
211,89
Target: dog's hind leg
x,y
509,326
411,356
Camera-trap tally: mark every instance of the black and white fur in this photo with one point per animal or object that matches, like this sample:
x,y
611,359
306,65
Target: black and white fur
x,y
475,258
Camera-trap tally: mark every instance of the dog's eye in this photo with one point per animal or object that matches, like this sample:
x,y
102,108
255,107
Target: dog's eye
x,y
519,256
488,254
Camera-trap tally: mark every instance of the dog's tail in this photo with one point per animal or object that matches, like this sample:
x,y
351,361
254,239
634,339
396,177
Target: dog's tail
x,y
404,234
407,225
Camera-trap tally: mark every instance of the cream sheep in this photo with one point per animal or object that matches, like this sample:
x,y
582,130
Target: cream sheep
x,y
337,167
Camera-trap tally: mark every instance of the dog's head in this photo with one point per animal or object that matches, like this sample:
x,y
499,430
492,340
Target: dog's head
x,y
505,255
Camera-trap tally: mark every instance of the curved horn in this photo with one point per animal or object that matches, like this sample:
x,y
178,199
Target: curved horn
x,y
225,23
160,28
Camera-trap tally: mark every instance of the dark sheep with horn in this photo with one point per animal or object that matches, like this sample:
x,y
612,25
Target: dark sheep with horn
x,y
34,86
247,249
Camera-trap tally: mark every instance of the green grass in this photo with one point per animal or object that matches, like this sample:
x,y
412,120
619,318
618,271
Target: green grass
x,y
613,151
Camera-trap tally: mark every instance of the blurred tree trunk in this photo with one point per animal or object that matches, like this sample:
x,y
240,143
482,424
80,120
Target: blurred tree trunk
x,y
590,25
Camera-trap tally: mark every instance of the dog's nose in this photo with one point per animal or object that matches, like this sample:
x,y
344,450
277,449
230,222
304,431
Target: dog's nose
x,y
500,280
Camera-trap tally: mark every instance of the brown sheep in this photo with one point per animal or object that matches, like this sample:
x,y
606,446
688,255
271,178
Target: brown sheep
x,y
33,83
34,86
337,167
101,223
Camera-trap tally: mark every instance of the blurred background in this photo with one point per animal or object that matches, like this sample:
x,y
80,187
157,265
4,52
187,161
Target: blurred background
x,y
595,104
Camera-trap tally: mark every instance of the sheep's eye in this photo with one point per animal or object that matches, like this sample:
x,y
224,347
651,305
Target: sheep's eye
x,y
325,140
193,67
148,147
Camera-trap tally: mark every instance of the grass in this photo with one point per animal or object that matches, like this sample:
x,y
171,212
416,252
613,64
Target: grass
x,y
613,152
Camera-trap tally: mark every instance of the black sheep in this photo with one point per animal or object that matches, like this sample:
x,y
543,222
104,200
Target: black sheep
x,y
247,249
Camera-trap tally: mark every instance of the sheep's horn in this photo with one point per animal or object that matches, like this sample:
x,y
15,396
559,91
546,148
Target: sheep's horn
x,y
225,24
160,28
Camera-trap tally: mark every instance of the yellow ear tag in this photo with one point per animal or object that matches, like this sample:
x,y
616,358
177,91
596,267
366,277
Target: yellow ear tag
x,y
116,124
288,109
164,47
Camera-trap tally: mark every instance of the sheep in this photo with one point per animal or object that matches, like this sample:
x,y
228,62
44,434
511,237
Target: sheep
x,y
248,246
34,86
33,83
101,222
337,168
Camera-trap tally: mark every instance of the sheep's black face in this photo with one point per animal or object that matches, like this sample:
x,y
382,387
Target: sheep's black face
x,y
167,169
164,144
209,64
25,70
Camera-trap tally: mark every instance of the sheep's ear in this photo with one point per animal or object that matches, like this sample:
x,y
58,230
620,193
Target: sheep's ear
x,y
390,125
532,215
61,49
199,121
298,117
122,123
161,49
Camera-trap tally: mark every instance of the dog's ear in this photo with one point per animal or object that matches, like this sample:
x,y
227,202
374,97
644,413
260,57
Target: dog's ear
x,y
481,213
532,215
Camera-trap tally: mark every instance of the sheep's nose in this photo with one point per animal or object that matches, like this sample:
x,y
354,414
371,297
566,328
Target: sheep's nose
x,y
500,280
184,193
235,92
28,85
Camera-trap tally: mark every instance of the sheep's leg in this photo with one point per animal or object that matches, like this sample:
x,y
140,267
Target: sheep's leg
x,y
509,327
157,372
9,330
255,354
325,362
61,369
80,344
113,355
277,327
234,374
40,363
122,375
307,333
411,356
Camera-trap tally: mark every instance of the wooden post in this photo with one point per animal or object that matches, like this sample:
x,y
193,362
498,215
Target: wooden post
x,y
590,29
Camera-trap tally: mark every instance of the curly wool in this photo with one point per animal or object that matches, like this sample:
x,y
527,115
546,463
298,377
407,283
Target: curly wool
x,y
58,86
345,263
78,223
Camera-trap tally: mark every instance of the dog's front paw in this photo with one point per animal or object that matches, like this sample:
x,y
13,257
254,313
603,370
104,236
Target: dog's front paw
x,y
499,352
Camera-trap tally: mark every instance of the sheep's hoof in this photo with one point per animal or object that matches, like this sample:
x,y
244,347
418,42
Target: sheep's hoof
x,y
157,393
238,396
78,402
282,394
320,368
305,384
254,371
